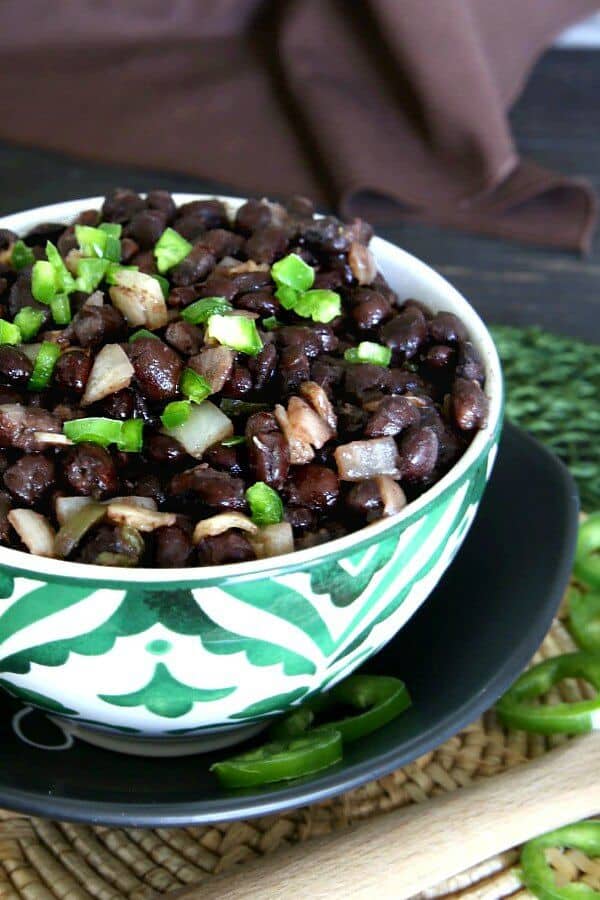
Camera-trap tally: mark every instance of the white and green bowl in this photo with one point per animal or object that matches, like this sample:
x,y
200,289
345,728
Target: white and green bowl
x,y
170,661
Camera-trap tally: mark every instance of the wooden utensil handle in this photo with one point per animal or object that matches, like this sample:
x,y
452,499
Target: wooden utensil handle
x,y
399,854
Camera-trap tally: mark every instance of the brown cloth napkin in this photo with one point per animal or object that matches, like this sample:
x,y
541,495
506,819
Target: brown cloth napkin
x,y
379,107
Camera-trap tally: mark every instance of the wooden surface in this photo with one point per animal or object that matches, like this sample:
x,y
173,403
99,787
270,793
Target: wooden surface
x,y
556,121
400,855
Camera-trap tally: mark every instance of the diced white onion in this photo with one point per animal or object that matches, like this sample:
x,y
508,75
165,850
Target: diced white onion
x,y
362,263
206,425
72,260
214,364
320,402
110,373
273,540
300,450
30,350
307,425
139,297
221,523
392,495
360,460
34,530
95,299
122,512
49,438
66,507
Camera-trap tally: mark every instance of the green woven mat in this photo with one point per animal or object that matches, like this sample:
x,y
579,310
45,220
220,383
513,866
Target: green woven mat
x,y
553,391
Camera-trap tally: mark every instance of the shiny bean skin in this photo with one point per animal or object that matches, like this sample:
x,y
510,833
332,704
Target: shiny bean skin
x,y
268,451
89,470
157,368
294,368
312,486
262,302
364,498
417,453
164,450
184,337
406,332
263,367
120,405
225,459
217,490
95,325
195,267
469,405
362,379
15,367
393,416
370,309
469,364
446,328
212,212
30,478
72,370
239,382
221,242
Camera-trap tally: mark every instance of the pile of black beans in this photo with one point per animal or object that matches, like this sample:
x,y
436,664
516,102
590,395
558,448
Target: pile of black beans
x,y
428,400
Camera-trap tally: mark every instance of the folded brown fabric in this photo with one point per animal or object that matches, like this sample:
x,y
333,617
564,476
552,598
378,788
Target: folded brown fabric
x,y
380,107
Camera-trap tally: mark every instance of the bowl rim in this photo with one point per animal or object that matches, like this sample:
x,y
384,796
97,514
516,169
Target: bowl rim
x,y
18,561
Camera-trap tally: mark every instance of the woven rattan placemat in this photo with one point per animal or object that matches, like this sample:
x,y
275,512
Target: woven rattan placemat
x,y
43,860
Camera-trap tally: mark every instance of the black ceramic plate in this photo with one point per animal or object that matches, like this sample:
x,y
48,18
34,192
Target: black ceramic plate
x,y
458,654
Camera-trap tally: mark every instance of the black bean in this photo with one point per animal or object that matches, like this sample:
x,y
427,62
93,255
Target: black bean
x,y
18,425
294,368
67,241
393,416
268,450
262,302
327,235
184,337
145,262
250,281
72,370
120,405
221,242
225,459
45,231
439,358
417,453
112,546
329,280
3,286
181,296
313,486
263,366
351,419
20,295
172,548
30,478
95,325
230,547
469,364
157,368
90,217
403,381
217,285
451,442
121,205
300,207
300,518
252,215
217,490
370,309
163,201
7,238
164,449
469,405
212,212
146,227
195,267
329,373
406,332
129,249
364,498
239,382
15,367
446,328
89,470
364,379
267,244
9,395
146,485
190,227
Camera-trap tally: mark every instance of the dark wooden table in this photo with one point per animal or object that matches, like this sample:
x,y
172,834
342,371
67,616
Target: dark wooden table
x,y
556,121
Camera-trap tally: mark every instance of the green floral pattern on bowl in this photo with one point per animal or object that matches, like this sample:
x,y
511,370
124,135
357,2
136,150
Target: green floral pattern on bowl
x,y
175,662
